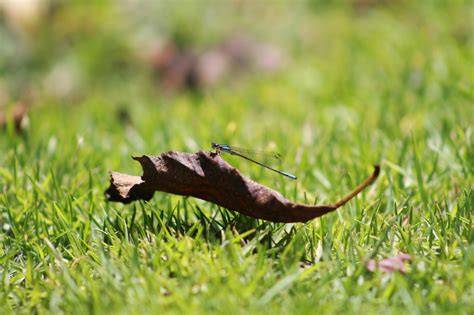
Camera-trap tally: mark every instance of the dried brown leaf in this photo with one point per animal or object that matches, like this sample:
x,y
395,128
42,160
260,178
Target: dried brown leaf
x,y
184,68
391,264
207,176
18,114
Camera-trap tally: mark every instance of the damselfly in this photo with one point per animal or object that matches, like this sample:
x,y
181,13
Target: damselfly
x,y
240,152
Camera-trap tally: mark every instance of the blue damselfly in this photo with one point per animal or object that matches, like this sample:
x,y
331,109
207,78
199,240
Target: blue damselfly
x,y
242,153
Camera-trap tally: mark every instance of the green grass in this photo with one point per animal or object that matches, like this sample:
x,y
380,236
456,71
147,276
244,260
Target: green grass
x,y
392,85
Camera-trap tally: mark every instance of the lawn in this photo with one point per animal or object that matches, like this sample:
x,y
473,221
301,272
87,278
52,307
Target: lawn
x,y
387,83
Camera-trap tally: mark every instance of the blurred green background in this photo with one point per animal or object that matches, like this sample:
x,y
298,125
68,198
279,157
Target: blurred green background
x,y
334,86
